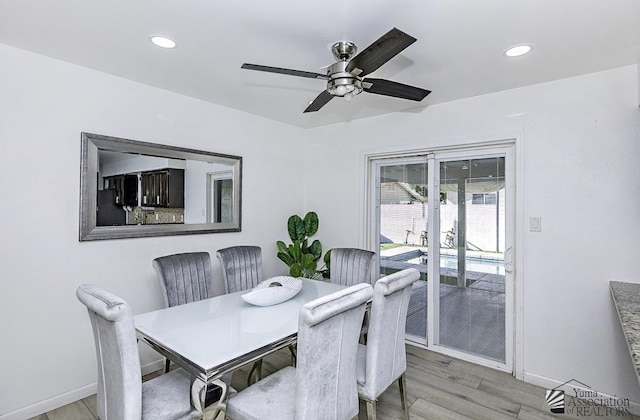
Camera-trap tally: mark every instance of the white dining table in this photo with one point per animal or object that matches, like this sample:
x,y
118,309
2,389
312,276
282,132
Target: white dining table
x,y
211,337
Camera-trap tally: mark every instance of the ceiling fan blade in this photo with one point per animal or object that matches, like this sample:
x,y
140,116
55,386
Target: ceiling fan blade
x,y
320,101
395,89
289,72
384,49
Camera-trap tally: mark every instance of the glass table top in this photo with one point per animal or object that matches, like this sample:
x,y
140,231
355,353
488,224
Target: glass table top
x,y
212,332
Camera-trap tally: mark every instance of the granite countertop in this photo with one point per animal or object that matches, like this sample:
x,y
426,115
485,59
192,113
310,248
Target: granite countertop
x,y
626,297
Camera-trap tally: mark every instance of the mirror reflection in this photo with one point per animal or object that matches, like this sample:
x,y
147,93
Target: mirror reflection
x,y
146,189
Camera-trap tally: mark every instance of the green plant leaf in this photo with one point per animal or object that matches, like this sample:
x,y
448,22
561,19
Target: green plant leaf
x,y
286,258
311,223
309,263
310,267
295,250
326,273
315,249
296,229
295,270
281,246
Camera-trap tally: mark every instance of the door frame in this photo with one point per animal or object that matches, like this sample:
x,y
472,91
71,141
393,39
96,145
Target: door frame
x,y
211,178
433,309
514,167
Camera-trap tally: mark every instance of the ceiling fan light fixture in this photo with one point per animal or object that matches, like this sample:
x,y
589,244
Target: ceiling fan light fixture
x,y
344,50
346,77
517,50
162,41
342,86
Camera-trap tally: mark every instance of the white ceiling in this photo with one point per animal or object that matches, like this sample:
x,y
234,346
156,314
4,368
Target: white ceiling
x,y
459,52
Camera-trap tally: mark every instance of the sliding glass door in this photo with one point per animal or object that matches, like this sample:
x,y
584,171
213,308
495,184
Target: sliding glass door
x,y
471,315
402,204
449,215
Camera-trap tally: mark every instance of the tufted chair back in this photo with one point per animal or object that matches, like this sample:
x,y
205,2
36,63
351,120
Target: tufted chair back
x,y
241,267
184,278
351,266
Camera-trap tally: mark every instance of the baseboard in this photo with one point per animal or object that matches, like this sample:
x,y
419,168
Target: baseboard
x,y
68,397
569,389
152,366
51,403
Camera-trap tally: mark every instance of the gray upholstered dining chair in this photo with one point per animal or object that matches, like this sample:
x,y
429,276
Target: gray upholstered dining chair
x,y
186,278
349,266
241,267
383,359
121,393
323,385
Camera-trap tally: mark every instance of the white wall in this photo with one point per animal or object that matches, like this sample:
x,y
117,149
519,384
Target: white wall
x,y
581,133
580,144
138,164
47,351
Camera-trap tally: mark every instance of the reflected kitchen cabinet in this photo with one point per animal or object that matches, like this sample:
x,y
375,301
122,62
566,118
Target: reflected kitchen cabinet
x,y
125,187
163,188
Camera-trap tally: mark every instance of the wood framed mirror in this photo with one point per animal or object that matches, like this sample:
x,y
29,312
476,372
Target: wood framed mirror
x,y
133,189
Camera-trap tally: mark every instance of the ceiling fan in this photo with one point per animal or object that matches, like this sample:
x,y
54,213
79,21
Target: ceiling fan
x,y
345,78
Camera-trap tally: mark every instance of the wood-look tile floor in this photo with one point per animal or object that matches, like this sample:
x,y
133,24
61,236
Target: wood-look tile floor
x,y
439,387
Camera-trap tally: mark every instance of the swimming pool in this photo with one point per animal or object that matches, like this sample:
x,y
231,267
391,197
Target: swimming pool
x,y
477,264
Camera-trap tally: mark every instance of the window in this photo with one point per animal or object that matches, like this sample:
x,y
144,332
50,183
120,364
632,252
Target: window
x,y
487,198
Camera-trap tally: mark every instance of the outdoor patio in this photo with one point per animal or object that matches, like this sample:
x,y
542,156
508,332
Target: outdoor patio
x,y
471,317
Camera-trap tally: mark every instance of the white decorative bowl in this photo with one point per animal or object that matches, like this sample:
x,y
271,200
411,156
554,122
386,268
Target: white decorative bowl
x,y
273,291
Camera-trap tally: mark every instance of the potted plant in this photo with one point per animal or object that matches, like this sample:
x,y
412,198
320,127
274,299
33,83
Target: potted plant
x,y
300,256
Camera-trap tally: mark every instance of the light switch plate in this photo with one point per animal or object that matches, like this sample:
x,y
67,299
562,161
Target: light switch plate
x,y
535,224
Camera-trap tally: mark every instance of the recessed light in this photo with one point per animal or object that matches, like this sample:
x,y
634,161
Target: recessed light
x,y
517,50
163,41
